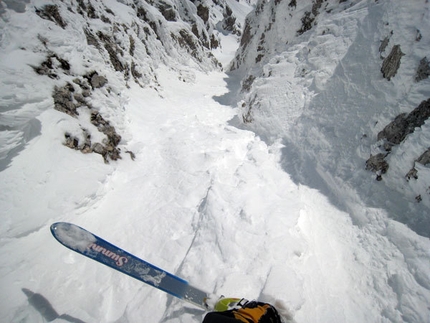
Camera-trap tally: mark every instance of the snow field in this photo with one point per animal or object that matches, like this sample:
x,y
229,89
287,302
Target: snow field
x,y
222,207
203,200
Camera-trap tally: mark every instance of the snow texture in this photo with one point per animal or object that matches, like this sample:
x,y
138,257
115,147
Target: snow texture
x,y
278,208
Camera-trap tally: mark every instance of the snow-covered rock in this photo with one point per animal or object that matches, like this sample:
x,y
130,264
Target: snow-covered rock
x,y
326,77
49,45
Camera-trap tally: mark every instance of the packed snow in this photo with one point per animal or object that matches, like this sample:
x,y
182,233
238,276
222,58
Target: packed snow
x,y
205,197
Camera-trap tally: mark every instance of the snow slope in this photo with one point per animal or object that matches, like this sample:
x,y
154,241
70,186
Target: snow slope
x,y
203,199
323,93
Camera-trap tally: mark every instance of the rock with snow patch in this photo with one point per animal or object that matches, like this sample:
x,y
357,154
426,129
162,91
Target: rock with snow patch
x,y
377,163
424,159
229,21
114,51
308,20
52,66
73,142
98,81
63,100
98,148
404,124
413,173
167,10
85,87
395,131
384,43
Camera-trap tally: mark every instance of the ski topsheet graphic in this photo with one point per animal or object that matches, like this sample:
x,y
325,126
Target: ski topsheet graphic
x,y
91,246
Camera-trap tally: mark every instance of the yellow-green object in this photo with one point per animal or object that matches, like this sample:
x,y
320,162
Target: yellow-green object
x,y
225,304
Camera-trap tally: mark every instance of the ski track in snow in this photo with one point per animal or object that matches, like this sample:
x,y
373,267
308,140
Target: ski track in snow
x,y
204,200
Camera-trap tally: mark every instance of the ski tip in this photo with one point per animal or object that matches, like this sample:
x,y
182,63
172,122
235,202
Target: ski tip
x,y
58,228
72,236
54,227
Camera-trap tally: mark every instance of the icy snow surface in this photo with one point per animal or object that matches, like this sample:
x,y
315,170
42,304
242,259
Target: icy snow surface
x,y
203,199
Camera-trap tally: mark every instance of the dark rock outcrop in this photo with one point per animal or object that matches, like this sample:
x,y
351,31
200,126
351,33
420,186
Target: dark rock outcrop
x,y
229,22
168,12
63,100
376,163
97,81
423,70
113,50
203,12
404,124
74,143
391,63
424,159
51,65
308,20
395,132
52,13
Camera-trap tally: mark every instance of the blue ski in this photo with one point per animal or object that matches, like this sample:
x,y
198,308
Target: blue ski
x,y
91,246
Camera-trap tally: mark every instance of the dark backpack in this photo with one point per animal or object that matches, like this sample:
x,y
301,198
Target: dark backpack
x,y
251,312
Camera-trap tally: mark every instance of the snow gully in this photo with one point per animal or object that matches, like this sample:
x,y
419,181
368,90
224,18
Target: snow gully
x,y
119,260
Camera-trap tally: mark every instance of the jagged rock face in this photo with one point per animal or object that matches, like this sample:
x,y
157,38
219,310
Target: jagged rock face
x,y
268,21
134,42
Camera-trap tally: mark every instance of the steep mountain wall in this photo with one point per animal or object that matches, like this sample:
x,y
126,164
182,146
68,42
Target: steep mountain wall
x,y
327,78
79,55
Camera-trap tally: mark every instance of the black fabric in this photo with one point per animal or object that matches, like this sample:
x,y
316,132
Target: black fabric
x,y
268,314
220,317
271,316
